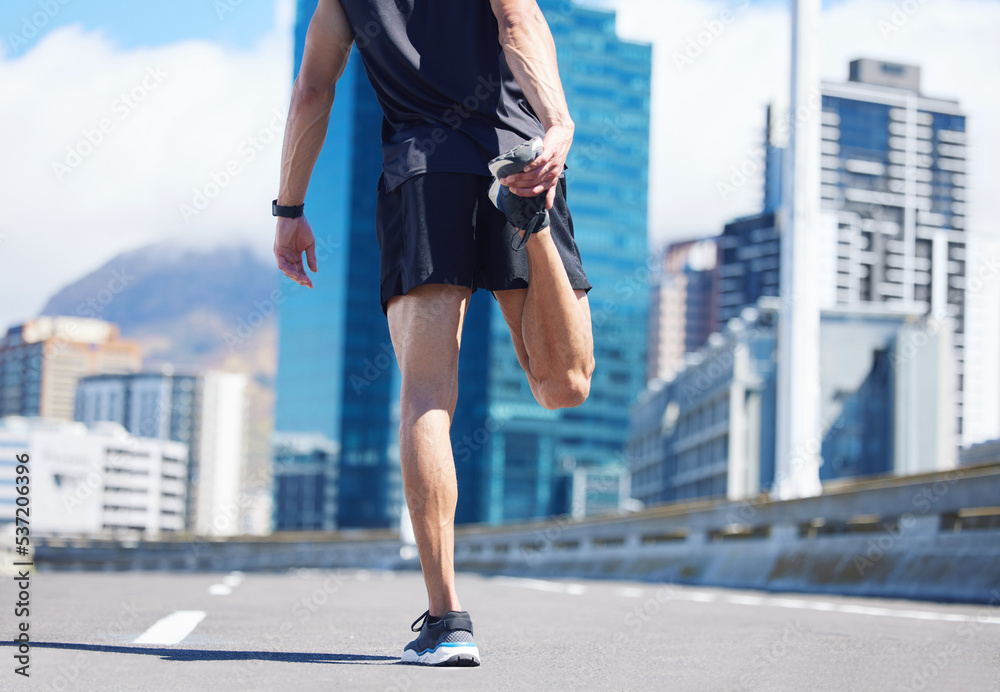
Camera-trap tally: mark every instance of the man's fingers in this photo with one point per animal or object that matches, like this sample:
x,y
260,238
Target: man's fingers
x,y
311,257
544,177
540,176
288,269
294,271
536,185
540,160
550,198
551,172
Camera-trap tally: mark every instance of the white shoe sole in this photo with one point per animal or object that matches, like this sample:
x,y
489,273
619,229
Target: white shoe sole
x,y
447,654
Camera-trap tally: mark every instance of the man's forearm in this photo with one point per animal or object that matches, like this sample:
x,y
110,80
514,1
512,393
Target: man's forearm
x,y
531,54
305,132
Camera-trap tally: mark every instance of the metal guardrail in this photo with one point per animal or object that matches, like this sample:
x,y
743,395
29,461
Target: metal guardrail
x,y
934,536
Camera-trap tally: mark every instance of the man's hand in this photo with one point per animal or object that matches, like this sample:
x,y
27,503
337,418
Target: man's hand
x,y
543,173
291,239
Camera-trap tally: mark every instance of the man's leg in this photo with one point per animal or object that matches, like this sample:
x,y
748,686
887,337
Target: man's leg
x,y
550,326
426,330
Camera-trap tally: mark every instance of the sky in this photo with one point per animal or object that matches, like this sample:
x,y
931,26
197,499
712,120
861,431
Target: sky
x,y
127,123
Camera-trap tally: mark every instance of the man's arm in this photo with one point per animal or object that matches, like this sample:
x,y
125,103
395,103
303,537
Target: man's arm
x,y
531,54
328,45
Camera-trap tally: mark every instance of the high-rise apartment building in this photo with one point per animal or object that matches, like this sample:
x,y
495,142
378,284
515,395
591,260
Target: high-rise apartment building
x,y
41,361
208,413
682,305
338,385
96,482
893,234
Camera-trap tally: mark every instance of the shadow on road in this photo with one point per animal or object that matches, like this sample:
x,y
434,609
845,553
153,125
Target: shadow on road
x,y
170,654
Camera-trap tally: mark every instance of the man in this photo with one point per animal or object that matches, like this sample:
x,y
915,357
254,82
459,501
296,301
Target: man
x,y
459,82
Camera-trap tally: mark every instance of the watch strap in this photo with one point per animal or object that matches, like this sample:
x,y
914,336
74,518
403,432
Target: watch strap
x,y
293,212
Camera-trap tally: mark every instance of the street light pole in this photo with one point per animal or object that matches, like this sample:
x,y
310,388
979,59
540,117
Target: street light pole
x,y
799,434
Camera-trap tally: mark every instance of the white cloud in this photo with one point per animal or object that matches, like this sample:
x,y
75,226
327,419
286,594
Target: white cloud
x,y
172,116
708,114
128,191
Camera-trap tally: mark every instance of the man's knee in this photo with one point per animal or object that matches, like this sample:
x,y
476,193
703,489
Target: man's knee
x,y
568,391
416,398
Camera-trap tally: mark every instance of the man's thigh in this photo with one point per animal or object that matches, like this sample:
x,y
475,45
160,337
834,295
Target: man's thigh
x,y
512,306
426,330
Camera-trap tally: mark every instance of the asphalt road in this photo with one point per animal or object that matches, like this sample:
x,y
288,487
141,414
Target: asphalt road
x,y
321,630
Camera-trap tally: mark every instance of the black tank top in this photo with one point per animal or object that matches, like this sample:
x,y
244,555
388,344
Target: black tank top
x,y
449,99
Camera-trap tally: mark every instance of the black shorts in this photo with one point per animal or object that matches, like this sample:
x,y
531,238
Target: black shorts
x,y
442,228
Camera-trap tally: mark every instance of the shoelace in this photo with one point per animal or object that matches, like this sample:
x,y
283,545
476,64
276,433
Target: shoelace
x,y
419,621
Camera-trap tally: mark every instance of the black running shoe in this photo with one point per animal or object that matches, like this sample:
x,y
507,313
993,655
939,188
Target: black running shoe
x,y
443,641
526,214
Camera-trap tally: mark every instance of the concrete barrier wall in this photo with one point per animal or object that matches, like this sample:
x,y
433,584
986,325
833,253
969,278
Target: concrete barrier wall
x,y
935,536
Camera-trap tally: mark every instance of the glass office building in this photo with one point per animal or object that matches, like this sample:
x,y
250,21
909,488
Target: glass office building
x,y
337,377
893,233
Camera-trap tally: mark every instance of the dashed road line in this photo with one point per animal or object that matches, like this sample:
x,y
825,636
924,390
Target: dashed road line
x,y
542,585
172,629
757,601
229,582
826,606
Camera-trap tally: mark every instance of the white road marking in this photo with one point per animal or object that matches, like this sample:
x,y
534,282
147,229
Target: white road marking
x,y
753,600
542,585
220,589
172,629
697,596
855,609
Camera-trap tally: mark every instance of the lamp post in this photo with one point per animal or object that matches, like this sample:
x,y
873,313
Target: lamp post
x,y
799,434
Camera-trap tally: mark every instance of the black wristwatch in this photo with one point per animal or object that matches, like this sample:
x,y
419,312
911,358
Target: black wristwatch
x,y
287,212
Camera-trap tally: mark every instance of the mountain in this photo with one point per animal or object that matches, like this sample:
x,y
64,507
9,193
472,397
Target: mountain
x,y
195,309
165,283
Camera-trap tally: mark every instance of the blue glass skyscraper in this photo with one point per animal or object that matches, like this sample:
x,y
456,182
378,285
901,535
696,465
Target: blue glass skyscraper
x,y
336,374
